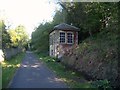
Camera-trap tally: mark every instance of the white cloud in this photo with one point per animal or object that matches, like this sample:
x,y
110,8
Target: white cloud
x,y
27,12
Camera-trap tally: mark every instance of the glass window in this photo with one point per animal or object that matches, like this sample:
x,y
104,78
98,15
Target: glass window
x,y
51,52
62,37
69,38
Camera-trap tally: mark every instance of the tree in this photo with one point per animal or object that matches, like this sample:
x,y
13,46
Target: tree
x,y
40,37
90,17
19,37
99,16
59,17
4,37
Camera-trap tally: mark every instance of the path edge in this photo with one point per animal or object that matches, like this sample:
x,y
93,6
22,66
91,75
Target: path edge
x,y
14,75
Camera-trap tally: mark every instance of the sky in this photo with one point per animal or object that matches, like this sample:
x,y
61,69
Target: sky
x,y
29,13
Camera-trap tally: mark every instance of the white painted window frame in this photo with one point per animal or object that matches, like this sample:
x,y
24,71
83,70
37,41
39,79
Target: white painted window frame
x,y
72,37
59,37
66,38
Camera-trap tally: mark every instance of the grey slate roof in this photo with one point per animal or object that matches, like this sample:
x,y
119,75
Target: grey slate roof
x,y
64,26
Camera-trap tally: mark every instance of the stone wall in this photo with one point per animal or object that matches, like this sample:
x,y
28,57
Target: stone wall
x,y
8,53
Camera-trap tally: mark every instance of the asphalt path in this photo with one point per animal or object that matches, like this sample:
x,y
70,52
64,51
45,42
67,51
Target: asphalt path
x,y
34,74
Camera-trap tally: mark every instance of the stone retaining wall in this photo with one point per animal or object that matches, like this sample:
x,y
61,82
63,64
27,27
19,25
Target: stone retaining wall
x,y
11,52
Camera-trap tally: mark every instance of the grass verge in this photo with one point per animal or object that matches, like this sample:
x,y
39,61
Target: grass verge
x,y
71,78
9,67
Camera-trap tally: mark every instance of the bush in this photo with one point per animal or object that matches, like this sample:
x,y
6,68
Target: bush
x,y
101,84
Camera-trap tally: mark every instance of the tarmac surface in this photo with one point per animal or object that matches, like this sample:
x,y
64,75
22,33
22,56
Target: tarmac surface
x,y
34,74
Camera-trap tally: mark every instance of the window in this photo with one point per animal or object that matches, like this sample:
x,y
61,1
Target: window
x,y
66,37
70,38
62,37
51,52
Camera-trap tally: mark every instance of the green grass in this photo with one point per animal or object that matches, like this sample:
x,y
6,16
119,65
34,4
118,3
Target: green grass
x,y
68,76
9,67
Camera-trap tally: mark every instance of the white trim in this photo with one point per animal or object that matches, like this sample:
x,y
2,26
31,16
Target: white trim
x,y
52,32
59,37
66,38
72,37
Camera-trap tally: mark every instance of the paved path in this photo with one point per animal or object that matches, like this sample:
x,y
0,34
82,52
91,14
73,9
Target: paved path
x,y
34,74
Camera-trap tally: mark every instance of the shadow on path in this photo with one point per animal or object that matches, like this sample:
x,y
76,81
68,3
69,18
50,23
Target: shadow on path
x,y
33,74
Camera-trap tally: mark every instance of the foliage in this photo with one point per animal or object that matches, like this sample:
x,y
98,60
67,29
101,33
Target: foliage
x,y
70,77
19,37
9,67
5,37
40,38
58,18
12,37
96,57
101,84
91,18
100,15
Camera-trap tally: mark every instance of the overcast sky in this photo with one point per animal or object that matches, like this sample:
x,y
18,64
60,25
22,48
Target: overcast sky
x,y
27,12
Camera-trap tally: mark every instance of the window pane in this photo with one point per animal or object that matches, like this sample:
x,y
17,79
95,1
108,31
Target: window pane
x,y
69,38
62,37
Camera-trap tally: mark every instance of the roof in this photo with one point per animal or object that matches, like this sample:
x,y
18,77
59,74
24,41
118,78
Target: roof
x,y
64,26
